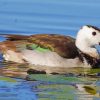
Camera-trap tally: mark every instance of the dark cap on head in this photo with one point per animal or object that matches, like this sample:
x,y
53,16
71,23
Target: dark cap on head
x,y
96,28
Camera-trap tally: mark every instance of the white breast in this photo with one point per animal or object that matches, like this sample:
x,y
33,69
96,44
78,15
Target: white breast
x,y
49,59
44,59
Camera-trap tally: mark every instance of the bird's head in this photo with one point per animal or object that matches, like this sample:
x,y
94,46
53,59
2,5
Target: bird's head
x,y
91,34
88,36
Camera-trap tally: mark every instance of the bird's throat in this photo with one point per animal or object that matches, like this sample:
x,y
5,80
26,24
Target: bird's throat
x,y
86,48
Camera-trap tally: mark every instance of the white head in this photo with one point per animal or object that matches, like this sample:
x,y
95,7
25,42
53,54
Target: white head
x,y
87,37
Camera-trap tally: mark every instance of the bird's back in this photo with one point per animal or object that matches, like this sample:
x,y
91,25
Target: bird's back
x,y
63,45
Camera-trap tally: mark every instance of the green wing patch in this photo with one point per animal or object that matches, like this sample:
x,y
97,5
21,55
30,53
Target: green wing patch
x,y
38,48
63,45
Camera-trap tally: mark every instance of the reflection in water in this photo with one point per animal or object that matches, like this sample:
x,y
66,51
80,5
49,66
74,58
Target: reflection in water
x,y
15,89
43,90
62,87
76,84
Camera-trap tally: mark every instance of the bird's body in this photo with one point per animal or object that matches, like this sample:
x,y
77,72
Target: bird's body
x,y
52,50
41,49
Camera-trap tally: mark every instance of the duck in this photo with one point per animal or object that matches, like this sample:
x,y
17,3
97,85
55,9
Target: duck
x,y
54,50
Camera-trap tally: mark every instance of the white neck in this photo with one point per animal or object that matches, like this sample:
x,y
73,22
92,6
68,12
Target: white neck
x,y
83,44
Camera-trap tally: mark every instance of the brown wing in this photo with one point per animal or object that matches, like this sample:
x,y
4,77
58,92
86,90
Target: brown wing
x,y
13,42
63,45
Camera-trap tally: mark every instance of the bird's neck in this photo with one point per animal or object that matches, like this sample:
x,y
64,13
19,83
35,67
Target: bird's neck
x,y
83,45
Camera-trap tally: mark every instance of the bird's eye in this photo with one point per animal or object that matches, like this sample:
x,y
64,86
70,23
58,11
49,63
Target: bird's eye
x,y
93,33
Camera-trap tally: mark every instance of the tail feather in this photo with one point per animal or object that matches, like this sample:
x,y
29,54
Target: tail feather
x,y
13,37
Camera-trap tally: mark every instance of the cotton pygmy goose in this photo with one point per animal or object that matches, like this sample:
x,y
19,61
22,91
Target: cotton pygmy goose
x,y
54,50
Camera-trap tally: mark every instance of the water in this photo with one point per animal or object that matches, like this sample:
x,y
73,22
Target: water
x,y
47,16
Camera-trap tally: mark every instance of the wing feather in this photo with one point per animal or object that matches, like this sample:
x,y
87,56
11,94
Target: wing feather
x,y
63,45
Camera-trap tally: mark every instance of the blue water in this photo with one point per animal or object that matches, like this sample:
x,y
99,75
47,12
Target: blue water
x,y
19,90
42,16
47,16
